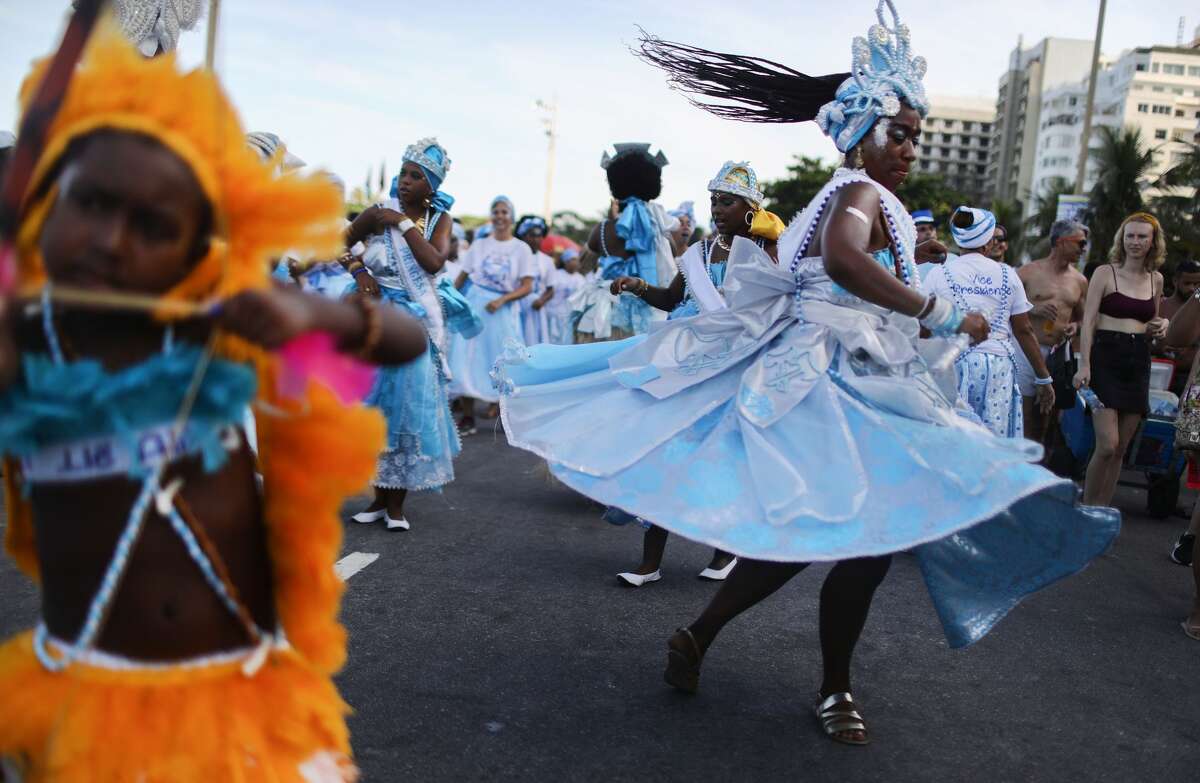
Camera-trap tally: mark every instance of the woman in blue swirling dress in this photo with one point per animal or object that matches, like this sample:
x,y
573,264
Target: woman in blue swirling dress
x,y
806,422
407,240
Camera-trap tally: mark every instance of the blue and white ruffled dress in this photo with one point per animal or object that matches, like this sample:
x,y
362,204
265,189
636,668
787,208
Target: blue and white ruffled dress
x,y
805,424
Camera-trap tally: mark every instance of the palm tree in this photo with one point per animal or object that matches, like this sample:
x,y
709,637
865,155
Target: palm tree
x,y
1124,161
1008,214
1178,206
1046,205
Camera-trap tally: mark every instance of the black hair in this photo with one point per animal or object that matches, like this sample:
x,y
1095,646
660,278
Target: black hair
x,y
634,174
750,89
78,145
1188,266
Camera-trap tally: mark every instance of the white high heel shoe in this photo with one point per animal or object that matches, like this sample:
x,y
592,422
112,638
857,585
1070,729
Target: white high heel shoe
x,y
367,517
396,524
718,574
637,580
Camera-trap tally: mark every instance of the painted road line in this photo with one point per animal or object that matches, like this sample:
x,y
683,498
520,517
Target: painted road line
x,y
352,563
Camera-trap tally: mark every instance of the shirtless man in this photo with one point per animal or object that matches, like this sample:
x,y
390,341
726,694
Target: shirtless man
x,y
1057,290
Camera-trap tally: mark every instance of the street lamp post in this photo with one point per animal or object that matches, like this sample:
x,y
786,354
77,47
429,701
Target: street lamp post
x,y
550,125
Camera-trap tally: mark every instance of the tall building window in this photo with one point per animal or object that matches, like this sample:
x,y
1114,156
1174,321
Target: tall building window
x,y
968,125
1144,108
1194,70
1160,134
1160,109
1153,67
1173,69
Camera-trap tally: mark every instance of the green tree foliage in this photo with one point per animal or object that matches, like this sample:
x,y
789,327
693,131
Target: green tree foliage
x,y
1008,214
572,225
1124,162
1178,208
930,191
806,177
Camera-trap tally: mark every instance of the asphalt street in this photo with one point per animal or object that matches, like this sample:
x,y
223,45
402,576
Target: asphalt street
x,y
492,642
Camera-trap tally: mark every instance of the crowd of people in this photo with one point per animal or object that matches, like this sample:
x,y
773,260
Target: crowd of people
x,y
837,388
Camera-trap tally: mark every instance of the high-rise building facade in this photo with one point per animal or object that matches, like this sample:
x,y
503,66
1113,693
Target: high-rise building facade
x,y
1031,72
1155,89
954,144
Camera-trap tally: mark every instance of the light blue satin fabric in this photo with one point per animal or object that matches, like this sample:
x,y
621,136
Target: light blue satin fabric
x,y
689,306
804,424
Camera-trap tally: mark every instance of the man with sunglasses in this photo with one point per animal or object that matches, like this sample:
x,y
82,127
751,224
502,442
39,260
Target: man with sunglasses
x,y
1057,290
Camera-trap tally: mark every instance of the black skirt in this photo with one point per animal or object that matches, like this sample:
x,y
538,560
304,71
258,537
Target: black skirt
x,y
1121,371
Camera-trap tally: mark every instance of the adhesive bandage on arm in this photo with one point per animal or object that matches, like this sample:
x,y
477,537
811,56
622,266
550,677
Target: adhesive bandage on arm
x,y
858,213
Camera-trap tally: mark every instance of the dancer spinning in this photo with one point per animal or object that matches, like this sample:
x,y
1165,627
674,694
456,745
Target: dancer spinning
x,y
737,211
636,241
188,626
531,229
805,421
500,268
408,239
987,375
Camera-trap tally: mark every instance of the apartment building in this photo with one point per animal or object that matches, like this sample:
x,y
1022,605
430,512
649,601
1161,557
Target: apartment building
x,y
955,141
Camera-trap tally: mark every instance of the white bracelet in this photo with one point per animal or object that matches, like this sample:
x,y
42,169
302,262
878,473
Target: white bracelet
x,y
358,249
404,225
939,314
1047,381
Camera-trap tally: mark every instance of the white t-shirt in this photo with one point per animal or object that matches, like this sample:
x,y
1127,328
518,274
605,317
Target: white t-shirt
x,y
499,265
565,284
983,286
543,274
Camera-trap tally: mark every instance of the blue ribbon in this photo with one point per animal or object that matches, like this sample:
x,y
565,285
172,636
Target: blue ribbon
x,y
636,227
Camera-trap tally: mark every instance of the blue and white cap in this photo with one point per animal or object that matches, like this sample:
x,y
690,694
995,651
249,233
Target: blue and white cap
x,y
979,233
922,216
881,74
740,180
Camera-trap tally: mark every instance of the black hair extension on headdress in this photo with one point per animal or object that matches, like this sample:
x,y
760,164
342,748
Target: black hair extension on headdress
x,y
750,89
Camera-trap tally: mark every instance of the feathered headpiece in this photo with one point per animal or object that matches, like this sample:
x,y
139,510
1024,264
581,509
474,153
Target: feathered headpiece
x,y
257,214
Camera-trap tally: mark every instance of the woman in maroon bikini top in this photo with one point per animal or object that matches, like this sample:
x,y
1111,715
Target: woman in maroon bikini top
x,y
1117,305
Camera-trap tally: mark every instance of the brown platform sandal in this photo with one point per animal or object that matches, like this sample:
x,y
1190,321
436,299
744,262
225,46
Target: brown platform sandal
x,y
837,714
683,671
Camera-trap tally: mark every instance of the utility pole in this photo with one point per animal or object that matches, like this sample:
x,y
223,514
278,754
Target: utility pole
x,y
550,125
1086,136
210,50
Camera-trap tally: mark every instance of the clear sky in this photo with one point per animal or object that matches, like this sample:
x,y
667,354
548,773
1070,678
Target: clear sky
x,y
349,84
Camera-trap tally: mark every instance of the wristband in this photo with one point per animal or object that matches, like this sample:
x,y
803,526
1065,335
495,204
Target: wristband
x,y
1047,381
357,270
404,225
930,301
357,249
943,320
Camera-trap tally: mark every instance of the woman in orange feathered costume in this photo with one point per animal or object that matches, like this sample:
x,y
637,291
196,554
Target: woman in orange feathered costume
x,y
188,628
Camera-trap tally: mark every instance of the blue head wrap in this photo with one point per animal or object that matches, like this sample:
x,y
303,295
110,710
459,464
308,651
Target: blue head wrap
x,y
883,72
503,200
920,216
569,254
529,224
980,232
434,163
685,209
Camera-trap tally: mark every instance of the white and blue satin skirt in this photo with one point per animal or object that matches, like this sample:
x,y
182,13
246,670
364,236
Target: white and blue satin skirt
x,y
471,360
792,449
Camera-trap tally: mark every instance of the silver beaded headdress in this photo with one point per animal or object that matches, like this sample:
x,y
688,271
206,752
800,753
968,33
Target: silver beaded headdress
x,y
431,157
156,24
883,72
740,180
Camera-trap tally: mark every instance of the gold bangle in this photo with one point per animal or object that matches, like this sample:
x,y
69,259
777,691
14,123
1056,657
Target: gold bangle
x,y
372,326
